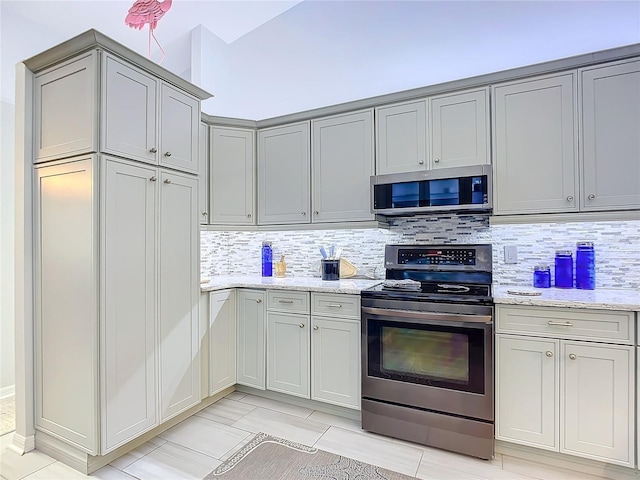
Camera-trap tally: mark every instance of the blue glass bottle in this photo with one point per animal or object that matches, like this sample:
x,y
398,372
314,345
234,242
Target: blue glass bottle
x,y
585,266
267,259
564,269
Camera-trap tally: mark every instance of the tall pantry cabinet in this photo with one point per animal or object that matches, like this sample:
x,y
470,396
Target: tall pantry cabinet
x,y
116,247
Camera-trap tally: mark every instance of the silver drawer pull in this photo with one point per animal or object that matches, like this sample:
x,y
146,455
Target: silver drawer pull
x,y
561,324
572,356
549,354
315,327
334,305
301,325
258,300
285,301
153,150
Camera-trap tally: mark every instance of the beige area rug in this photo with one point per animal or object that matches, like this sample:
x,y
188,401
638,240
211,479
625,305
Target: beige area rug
x,y
272,458
7,414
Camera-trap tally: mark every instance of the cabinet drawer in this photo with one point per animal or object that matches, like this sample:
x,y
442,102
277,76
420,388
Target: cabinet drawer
x,y
335,305
287,301
569,323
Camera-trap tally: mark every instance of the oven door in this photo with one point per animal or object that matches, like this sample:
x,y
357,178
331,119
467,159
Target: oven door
x,y
437,361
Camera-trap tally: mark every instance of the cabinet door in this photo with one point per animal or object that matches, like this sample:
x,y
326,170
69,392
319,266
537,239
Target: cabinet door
x,y
128,325
401,138
203,174
527,392
222,340
283,175
342,160
598,412
128,112
179,289
535,146
288,353
251,338
232,179
335,361
610,124
65,109
179,127
66,301
459,126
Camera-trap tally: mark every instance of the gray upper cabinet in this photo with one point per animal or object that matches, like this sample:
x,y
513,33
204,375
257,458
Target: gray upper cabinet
x,y
179,127
459,128
610,136
64,126
342,162
401,137
232,176
283,174
535,145
203,174
128,107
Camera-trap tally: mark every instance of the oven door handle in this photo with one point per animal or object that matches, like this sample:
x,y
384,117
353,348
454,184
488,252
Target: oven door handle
x,y
429,316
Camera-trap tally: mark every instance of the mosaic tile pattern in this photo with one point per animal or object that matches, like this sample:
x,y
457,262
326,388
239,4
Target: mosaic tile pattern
x,y
617,246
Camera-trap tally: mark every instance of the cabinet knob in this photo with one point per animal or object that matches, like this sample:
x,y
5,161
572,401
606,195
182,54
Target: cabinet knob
x,y
421,162
301,325
303,213
316,212
258,300
591,197
153,179
153,150
549,354
248,215
205,214
316,327
167,154
436,160
167,180
570,198
572,356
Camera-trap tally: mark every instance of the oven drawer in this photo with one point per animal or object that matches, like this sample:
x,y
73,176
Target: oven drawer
x,y
570,323
335,305
288,301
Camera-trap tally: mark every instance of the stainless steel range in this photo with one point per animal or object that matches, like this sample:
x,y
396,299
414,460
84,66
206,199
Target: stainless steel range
x,y
427,348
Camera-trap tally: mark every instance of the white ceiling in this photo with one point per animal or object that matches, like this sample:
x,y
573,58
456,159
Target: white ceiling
x,y
267,58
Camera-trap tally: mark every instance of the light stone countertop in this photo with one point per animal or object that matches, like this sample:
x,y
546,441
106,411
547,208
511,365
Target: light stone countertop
x,y
601,299
306,284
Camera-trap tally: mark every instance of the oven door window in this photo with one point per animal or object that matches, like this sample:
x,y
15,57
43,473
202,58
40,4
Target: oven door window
x,y
449,357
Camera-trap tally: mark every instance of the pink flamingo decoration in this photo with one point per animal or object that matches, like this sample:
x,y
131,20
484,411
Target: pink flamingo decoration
x,y
148,12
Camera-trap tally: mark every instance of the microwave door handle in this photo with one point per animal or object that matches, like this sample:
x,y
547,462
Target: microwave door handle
x,y
429,317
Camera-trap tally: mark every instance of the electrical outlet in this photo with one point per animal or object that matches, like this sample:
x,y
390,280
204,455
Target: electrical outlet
x,y
510,254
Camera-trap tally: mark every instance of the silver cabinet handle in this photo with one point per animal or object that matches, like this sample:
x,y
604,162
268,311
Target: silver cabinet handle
x,y
285,301
153,179
591,197
167,154
301,325
570,198
561,324
572,356
248,215
205,214
549,354
334,305
258,300
436,160
167,180
316,212
421,162
316,327
153,150
303,213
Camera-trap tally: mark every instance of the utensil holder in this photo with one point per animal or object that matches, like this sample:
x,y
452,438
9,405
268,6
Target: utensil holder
x,y
330,269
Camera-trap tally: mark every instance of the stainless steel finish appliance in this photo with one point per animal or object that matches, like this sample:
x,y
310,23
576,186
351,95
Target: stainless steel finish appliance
x,y
427,348
459,189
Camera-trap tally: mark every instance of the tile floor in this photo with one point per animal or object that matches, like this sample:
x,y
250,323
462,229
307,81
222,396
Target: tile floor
x,y
194,447
7,414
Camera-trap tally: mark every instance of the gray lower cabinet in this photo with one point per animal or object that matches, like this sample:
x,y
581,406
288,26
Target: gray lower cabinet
x,y
342,162
251,370
232,176
535,145
609,133
116,280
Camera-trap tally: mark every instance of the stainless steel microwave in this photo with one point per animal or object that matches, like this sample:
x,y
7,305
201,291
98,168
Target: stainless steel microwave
x,y
456,189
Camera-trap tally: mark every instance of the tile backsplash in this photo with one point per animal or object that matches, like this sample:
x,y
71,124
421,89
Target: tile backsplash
x,y
617,246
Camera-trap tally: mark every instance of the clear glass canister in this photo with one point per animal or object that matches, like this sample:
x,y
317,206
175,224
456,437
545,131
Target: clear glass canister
x,y
564,269
585,266
541,276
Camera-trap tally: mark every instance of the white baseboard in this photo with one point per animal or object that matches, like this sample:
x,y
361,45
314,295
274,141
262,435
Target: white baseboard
x,y
22,445
7,391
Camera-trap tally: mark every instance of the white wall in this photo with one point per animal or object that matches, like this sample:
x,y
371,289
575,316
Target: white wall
x,y
7,170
